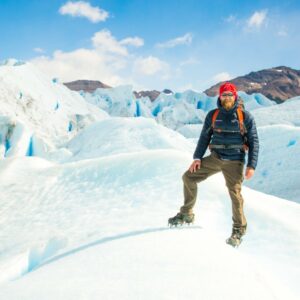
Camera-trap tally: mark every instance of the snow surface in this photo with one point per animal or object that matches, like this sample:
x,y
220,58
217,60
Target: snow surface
x,y
35,107
277,172
287,113
86,217
91,229
129,134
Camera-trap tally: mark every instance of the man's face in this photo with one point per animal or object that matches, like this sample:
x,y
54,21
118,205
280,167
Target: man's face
x,y
227,100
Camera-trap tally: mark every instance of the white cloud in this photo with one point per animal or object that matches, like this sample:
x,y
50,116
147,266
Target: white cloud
x,y
84,9
182,40
223,76
81,64
257,19
150,66
133,41
107,60
104,61
105,42
39,50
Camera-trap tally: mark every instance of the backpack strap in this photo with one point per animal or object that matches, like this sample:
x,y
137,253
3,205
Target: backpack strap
x,y
214,118
240,116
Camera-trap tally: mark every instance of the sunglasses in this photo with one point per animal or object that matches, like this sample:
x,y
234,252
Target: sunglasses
x,y
227,94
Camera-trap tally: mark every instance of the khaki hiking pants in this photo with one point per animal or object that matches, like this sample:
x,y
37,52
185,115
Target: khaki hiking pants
x,y
233,173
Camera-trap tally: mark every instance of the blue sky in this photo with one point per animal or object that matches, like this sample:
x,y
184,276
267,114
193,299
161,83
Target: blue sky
x,y
151,44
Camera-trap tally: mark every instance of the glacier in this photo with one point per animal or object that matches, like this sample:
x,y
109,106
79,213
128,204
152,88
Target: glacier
x,y
88,182
171,110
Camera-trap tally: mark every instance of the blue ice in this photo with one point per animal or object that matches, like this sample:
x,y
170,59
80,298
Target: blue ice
x,y
30,148
291,143
138,109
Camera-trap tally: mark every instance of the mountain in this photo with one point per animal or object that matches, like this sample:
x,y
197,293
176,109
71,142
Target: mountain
x,y
278,84
86,85
151,94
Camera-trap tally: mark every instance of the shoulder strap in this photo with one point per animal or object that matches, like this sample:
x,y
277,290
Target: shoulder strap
x,y
214,118
240,116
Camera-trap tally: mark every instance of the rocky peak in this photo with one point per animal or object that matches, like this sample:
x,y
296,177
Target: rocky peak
x,y
278,84
151,94
88,86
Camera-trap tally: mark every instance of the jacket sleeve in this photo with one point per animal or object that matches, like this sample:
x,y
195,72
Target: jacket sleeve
x,y
205,137
253,143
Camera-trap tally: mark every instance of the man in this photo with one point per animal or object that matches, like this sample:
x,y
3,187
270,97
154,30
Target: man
x,y
229,132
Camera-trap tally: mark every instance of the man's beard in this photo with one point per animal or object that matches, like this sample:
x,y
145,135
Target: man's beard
x,y
227,104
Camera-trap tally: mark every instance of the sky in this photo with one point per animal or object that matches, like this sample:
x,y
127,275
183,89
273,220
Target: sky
x,y
183,44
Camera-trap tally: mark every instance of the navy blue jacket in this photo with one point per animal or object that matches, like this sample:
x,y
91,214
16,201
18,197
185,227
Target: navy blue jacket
x,y
228,120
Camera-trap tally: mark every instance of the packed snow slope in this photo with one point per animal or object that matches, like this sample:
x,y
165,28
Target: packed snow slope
x,y
38,114
96,228
125,134
277,172
287,113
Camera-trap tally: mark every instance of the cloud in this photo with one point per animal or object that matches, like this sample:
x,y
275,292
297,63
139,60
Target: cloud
x,y
133,41
39,50
223,76
151,65
105,42
81,64
257,19
103,61
84,9
182,40
108,60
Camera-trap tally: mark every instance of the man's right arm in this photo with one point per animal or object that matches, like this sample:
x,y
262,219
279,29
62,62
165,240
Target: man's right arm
x,y
205,137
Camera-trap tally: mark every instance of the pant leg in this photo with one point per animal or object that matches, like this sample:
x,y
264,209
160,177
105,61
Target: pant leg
x,y
209,165
233,173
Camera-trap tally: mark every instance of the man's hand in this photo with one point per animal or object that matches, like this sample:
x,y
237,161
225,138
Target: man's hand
x,y
249,172
195,165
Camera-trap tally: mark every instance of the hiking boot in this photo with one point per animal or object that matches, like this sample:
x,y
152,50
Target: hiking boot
x,y
236,236
181,219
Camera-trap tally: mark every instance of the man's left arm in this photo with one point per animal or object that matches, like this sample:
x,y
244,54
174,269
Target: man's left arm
x,y
253,143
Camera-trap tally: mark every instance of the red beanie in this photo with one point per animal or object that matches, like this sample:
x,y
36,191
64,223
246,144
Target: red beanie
x,y
228,87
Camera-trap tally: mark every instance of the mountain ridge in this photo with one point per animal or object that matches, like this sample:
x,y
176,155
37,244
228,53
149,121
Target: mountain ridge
x,y
278,84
